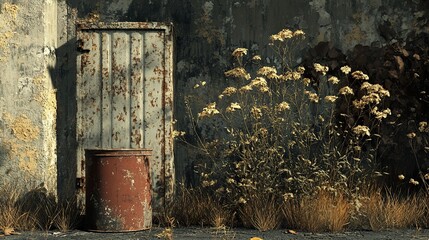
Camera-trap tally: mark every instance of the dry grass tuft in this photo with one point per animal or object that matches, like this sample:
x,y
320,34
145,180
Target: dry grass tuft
x,y
189,207
42,205
68,215
166,234
390,211
12,211
319,213
261,212
35,209
425,219
218,215
192,206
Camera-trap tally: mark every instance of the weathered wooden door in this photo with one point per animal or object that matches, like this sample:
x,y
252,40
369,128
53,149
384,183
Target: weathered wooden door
x,y
125,95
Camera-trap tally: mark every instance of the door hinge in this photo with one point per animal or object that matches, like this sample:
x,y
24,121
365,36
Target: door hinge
x,y
80,47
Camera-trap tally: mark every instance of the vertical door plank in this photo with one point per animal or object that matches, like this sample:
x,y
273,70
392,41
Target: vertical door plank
x,y
106,93
120,90
137,90
153,102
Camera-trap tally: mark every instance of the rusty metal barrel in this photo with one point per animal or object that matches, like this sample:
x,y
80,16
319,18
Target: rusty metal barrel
x,y
118,190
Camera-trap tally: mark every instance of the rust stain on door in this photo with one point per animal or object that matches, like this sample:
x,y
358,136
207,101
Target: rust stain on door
x,y
125,94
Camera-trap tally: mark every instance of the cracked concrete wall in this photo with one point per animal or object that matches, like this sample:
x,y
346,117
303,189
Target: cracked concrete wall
x,y
27,95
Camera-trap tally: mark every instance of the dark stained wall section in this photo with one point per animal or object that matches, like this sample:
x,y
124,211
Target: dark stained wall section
x,y
205,31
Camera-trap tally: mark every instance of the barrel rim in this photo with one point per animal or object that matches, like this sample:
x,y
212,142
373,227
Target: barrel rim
x,y
118,151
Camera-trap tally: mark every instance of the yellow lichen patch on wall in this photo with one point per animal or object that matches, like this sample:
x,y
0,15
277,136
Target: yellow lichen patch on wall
x,y
38,81
23,128
356,35
46,97
8,22
19,150
4,39
10,9
28,160
49,102
26,156
4,43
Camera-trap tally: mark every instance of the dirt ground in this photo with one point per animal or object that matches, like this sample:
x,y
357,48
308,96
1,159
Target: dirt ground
x,y
208,233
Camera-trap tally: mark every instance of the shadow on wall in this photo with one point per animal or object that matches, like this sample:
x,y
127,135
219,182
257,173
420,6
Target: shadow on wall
x,y
4,152
63,75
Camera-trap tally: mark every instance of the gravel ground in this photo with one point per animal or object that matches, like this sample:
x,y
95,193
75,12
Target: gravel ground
x,y
208,233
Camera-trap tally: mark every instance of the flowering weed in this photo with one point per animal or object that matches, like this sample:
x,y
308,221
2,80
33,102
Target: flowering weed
x,y
284,130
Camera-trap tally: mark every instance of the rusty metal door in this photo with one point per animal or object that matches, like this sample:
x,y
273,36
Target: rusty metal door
x,y
125,95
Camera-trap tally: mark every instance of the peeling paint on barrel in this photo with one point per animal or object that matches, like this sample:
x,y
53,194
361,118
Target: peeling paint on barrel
x,y
118,190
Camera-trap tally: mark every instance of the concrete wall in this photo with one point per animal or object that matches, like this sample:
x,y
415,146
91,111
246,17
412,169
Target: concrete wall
x,y
205,33
27,96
